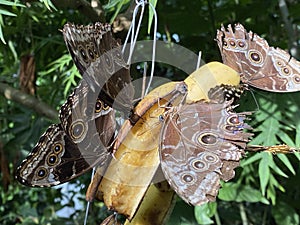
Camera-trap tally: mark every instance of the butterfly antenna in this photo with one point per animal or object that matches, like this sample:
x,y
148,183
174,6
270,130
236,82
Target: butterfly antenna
x,y
255,100
88,203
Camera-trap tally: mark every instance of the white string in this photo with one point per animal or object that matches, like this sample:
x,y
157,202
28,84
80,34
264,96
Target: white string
x,y
88,203
134,34
199,60
153,48
144,80
131,31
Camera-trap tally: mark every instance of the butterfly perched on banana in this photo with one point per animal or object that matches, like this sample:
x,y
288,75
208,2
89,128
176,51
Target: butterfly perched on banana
x,y
264,67
87,119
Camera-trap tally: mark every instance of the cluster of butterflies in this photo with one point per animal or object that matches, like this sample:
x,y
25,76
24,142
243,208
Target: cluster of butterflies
x,y
200,143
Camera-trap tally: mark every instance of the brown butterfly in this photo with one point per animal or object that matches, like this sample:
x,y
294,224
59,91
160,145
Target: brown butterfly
x,y
259,65
201,143
225,92
135,151
99,59
67,150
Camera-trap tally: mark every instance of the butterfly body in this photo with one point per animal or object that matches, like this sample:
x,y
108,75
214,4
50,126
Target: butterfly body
x,y
259,65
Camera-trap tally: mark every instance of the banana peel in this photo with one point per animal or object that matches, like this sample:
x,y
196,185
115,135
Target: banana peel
x,y
136,160
173,93
156,206
124,189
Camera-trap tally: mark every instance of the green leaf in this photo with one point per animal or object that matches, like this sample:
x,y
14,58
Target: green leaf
x,y
274,183
285,138
271,194
111,5
251,159
297,154
11,3
228,192
286,162
283,213
204,212
13,50
239,193
182,214
151,14
115,6
264,171
297,138
48,4
277,169
119,7
1,32
7,13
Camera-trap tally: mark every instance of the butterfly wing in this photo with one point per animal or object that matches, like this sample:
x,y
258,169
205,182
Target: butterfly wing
x,y
99,59
201,144
80,113
54,160
67,150
225,92
57,159
260,65
87,123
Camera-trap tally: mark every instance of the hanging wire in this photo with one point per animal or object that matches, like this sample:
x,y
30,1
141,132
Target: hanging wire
x,y
144,80
199,60
88,203
153,47
134,34
131,32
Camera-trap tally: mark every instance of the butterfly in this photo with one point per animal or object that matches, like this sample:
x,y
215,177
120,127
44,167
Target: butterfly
x,y
98,57
223,92
71,148
200,144
261,66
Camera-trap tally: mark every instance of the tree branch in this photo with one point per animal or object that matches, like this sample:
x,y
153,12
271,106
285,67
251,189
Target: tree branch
x,y
29,101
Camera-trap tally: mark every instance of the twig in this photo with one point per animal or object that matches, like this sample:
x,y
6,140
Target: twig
x,y
28,101
275,149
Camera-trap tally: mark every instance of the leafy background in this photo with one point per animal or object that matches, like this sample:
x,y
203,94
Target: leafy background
x,y
265,189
